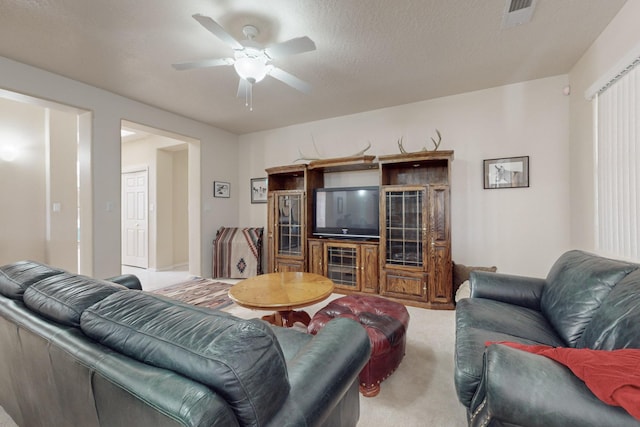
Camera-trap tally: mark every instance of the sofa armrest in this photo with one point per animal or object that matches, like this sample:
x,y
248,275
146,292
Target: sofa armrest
x,y
130,281
323,372
520,290
524,389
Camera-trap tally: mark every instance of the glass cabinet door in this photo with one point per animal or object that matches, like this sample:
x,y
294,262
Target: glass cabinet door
x,y
404,226
342,265
289,224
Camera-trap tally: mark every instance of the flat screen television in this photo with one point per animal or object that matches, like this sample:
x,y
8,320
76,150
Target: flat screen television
x,y
351,212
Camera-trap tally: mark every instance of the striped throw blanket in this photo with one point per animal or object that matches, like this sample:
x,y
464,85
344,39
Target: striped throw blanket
x,y
237,252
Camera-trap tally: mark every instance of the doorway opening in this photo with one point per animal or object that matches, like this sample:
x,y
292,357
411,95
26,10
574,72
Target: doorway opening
x,y
160,182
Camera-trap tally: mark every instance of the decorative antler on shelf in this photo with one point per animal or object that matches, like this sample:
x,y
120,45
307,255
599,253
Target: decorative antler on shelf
x,y
361,152
317,155
305,157
402,150
435,143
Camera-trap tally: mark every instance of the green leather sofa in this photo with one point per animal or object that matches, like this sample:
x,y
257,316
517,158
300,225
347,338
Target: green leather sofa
x,y
76,351
585,302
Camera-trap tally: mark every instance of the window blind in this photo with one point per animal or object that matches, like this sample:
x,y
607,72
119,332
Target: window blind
x,y
618,166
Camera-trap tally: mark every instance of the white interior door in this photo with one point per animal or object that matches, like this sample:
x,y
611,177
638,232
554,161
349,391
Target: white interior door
x,y
135,223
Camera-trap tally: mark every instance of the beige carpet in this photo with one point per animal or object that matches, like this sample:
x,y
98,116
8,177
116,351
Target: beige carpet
x,y
420,392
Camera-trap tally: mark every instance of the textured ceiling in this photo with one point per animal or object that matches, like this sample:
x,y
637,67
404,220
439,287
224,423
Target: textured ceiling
x,y
370,53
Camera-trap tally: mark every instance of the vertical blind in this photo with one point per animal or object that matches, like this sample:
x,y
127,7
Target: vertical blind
x,y
618,166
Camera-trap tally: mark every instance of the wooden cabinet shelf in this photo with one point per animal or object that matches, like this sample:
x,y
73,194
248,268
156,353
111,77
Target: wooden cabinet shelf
x,y
352,266
286,230
342,164
415,244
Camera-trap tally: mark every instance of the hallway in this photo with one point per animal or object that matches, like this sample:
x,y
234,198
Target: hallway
x,y
152,280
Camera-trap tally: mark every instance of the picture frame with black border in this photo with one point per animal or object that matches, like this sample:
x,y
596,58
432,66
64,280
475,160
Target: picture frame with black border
x,y
259,190
221,189
506,172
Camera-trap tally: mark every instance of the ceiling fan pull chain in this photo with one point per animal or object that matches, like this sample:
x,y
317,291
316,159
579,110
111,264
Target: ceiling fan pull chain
x,y
246,95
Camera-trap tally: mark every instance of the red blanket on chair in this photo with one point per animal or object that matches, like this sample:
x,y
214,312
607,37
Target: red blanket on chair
x,y
613,376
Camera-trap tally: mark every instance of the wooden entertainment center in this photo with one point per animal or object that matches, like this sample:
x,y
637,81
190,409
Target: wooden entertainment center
x,y
410,262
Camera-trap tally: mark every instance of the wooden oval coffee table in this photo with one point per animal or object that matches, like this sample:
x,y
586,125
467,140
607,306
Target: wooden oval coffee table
x,y
283,292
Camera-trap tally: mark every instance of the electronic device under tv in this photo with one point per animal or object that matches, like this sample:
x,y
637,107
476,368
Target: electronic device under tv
x,y
351,212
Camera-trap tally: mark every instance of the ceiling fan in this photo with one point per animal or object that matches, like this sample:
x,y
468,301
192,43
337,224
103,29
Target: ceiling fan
x,y
251,61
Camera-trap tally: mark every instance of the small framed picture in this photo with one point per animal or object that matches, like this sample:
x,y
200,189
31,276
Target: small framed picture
x,y
221,189
510,172
258,190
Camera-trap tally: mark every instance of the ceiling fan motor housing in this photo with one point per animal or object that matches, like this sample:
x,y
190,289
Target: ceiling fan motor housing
x,y
250,32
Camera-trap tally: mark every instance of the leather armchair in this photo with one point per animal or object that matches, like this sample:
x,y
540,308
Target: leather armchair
x,y
586,301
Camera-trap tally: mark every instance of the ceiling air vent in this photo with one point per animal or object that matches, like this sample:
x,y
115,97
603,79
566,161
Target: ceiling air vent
x,y
518,12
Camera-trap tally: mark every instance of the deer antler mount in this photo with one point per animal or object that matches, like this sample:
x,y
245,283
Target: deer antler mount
x,y
436,144
317,155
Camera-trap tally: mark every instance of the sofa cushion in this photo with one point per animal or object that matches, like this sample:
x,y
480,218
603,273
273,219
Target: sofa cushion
x,y
18,276
64,297
576,285
239,359
615,325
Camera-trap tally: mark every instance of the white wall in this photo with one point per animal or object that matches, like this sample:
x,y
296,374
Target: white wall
x,y
163,211
620,36
43,174
22,183
217,148
180,208
521,231
62,179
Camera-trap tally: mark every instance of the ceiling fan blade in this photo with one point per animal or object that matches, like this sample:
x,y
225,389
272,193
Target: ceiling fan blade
x,y
290,47
243,85
289,79
205,63
217,30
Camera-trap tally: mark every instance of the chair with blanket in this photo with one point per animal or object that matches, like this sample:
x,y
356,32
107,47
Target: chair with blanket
x,y
237,252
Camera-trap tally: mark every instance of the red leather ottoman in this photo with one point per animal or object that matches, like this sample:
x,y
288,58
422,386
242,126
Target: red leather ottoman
x,y
386,323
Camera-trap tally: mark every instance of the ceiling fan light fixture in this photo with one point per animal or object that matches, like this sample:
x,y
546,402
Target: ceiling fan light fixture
x,y
252,68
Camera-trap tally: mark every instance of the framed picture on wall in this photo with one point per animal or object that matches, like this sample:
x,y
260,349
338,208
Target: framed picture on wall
x,y
510,172
258,190
221,189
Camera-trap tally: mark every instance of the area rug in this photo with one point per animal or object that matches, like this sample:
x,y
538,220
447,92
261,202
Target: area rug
x,y
200,292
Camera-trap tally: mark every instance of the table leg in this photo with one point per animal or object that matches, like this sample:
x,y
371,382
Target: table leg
x,y
287,318
274,319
